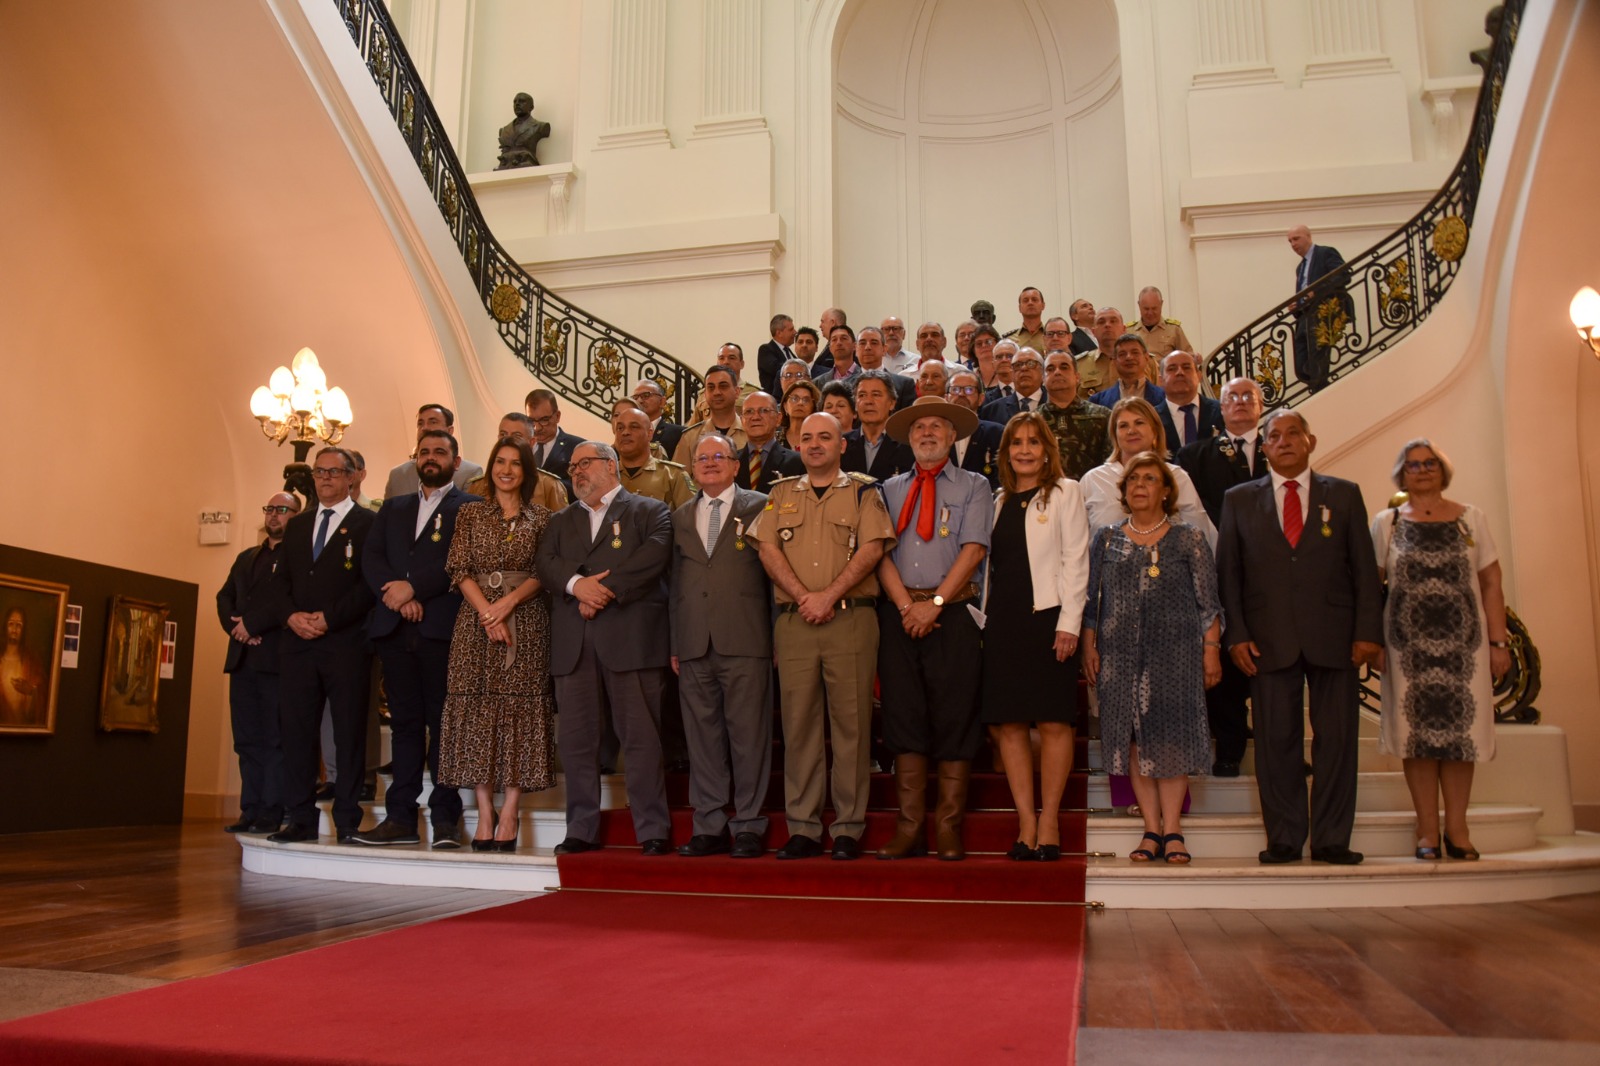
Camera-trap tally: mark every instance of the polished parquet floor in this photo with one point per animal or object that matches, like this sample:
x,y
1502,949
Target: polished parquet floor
x,y
172,902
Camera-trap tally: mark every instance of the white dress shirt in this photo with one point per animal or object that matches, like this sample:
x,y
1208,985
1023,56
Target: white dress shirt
x,y
340,509
1176,410
1303,480
702,515
427,506
597,517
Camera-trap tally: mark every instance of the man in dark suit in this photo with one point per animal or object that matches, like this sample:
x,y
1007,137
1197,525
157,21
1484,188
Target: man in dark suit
x,y
1216,464
721,611
1131,361
552,445
868,449
1320,298
979,452
1300,592
321,596
650,399
245,608
403,478
1083,339
763,451
1186,415
870,353
604,561
410,627
1027,379
772,355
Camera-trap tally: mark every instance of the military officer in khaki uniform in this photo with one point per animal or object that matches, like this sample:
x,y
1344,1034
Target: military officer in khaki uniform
x,y
1161,335
721,398
821,537
640,472
1097,370
1030,303
548,492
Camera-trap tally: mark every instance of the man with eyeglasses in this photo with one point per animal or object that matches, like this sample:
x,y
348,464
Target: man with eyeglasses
x,y
1079,426
552,445
721,396
1030,304
604,561
641,472
896,360
245,609
320,594
821,537
763,459
650,398
979,452
1027,380
403,478
722,654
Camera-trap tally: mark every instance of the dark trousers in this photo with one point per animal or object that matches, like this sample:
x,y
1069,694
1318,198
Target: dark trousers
x,y
415,671
1278,705
336,669
930,686
1228,713
634,697
253,708
1310,358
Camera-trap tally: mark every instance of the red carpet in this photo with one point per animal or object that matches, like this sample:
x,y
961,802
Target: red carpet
x,y
583,977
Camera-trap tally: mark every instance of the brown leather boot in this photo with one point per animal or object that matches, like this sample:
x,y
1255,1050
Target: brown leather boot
x,y
910,834
952,810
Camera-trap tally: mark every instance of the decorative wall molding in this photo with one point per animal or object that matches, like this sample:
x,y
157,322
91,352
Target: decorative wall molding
x,y
636,111
1232,44
1345,40
730,68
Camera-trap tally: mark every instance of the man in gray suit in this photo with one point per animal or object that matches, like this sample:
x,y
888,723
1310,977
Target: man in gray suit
x,y
604,560
1300,590
721,609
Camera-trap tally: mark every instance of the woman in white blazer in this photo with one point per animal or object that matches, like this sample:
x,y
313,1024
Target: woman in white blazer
x,y
1034,587
1135,427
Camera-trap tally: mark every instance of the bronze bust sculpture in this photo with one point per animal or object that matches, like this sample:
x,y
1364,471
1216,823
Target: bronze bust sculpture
x,y
519,139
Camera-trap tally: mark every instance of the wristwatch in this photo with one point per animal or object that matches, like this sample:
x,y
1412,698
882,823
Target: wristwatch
x,y
938,601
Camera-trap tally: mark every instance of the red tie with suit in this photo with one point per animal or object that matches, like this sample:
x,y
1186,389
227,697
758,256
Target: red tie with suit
x,y
1293,523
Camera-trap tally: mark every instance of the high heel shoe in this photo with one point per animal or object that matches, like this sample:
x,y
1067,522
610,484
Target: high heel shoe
x,y
486,845
1020,852
1470,854
1429,852
1049,852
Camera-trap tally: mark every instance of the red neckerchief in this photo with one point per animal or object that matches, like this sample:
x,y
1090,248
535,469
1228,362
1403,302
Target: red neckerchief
x,y
922,492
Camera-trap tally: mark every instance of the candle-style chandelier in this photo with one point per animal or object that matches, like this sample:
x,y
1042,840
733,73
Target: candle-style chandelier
x,y
297,406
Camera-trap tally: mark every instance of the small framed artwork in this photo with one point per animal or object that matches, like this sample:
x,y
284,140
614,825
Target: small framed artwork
x,y
32,614
133,665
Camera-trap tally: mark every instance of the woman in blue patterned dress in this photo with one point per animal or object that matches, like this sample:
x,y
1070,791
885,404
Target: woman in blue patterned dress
x,y
1152,630
1444,628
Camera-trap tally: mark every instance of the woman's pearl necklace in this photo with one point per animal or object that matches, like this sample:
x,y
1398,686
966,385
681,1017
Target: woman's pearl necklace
x,y
1146,532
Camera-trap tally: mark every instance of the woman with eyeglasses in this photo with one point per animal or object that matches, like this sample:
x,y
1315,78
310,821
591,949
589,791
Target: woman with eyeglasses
x,y
840,402
801,397
1444,627
497,732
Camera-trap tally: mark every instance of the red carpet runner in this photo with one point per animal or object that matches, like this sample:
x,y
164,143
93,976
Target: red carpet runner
x,y
591,977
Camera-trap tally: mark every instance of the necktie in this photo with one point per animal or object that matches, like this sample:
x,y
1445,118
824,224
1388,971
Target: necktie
x,y
1191,429
1022,404
1293,524
1305,268
1241,451
921,502
755,468
1005,390
538,457
714,526
322,533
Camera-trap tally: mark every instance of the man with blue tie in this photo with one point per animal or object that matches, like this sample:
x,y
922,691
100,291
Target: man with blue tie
x,y
410,627
1319,283
1186,415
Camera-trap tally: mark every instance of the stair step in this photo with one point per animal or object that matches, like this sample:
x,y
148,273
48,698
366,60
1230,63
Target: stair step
x,y
983,832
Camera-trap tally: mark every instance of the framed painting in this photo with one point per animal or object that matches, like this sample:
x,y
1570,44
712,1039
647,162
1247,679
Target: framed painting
x,y
32,615
133,664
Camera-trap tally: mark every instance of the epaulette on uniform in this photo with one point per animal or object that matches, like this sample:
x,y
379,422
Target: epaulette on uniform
x,y
784,480
864,478
1172,322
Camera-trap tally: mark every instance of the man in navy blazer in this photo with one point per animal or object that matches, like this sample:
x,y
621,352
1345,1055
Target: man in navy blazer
x,y
1131,359
552,446
1300,592
321,597
1319,277
410,627
1180,382
604,560
772,355
980,452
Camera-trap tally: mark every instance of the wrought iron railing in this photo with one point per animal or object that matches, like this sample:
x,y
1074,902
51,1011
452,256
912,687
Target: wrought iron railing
x,y
1378,297
585,359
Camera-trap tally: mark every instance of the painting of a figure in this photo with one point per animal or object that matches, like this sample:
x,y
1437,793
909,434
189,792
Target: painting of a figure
x,y
31,617
133,659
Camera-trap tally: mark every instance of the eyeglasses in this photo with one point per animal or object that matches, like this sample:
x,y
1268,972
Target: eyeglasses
x,y
278,509
1056,332
963,390
748,411
329,471
712,457
1235,397
1022,364
583,464
640,397
547,420
1417,466
792,375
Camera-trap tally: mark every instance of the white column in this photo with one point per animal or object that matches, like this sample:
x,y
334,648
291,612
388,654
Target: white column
x,y
636,111
1345,38
1232,40
730,74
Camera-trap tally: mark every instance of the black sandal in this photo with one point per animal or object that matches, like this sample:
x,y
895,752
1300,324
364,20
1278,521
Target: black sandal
x,y
1175,858
1143,854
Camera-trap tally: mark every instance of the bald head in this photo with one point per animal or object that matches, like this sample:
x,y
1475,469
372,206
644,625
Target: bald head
x,y
1300,240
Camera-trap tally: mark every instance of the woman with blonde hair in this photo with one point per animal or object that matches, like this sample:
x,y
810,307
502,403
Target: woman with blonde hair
x,y
1134,427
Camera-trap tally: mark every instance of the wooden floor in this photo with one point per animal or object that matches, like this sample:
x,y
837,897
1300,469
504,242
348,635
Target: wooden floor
x,y
172,903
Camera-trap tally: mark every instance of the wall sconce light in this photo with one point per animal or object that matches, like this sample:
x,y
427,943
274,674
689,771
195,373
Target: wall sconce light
x,y
297,406
1585,313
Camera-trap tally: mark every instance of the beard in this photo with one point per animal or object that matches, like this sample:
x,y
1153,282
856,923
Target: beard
x,y
433,475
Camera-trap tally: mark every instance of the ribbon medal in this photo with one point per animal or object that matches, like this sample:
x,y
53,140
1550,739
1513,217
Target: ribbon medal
x,y
1155,557
349,554
738,533
616,534
1327,530
944,521
437,519
1226,448
1039,505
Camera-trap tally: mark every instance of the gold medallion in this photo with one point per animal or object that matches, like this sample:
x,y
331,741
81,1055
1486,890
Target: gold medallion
x,y
616,542
944,531
738,545
1154,571
1327,530
436,538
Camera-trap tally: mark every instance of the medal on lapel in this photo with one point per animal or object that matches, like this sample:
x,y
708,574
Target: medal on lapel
x,y
616,534
1155,558
1327,530
988,463
437,519
1040,507
1466,532
944,521
1226,448
349,554
738,534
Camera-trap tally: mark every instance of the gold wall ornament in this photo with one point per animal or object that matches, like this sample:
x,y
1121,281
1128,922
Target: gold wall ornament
x,y
608,365
668,389
505,303
1395,288
1331,322
1450,238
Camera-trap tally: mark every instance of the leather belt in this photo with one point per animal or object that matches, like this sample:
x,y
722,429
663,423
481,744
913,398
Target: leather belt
x,y
966,592
508,581
843,605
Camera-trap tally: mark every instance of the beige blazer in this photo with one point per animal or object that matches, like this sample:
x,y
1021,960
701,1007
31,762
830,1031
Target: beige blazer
x,y
1058,553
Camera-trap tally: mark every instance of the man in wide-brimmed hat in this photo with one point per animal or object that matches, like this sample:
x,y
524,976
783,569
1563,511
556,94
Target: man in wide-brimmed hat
x,y
928,649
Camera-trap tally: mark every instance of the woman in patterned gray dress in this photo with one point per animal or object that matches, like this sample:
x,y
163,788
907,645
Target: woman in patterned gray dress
x,y
1152,630
497,732
1444,627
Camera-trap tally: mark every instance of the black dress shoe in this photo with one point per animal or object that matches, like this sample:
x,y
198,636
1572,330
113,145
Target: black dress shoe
x,y
325,792
800,847
294,834
656,846
243,825
446,837
1224,769
386,832
347,836
574,846
1337,856
264,826
747,846
846,848
703,844
1279,853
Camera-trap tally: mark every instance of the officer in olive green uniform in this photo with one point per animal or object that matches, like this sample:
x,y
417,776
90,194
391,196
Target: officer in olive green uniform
x,y
821,537
1079,426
